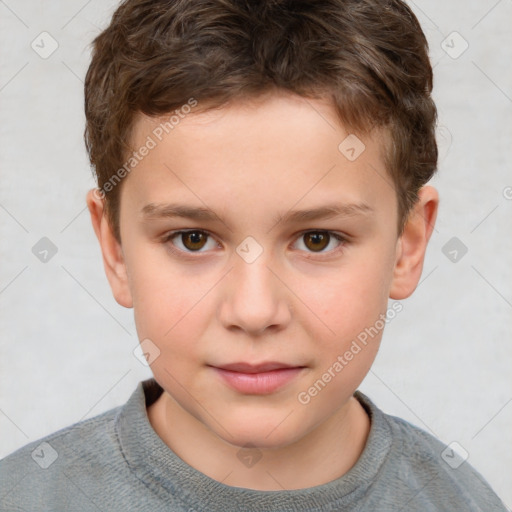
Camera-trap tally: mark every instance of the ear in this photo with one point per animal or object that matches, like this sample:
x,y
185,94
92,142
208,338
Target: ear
x,y
113,259
412,244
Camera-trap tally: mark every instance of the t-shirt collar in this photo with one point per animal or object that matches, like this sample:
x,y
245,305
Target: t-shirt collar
x,y
164,473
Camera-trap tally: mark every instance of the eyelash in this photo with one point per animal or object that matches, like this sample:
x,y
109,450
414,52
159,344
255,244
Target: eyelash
x,y
181,253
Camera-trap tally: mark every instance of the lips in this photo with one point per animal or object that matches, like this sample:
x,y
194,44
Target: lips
x,y
258,379
256,368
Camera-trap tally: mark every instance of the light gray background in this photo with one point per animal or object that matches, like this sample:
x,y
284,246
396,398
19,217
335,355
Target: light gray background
x,y
66,345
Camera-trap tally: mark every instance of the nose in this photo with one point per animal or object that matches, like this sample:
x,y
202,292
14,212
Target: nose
x,y
255,298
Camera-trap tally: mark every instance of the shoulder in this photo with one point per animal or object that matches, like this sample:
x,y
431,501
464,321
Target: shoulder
x,y
92,432
430,475
85,465
62,464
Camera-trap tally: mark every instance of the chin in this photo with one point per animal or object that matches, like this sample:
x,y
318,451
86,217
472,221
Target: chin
x,y
269,434
259,441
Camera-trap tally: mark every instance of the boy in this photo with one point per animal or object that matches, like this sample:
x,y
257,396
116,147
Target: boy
x,y
229,138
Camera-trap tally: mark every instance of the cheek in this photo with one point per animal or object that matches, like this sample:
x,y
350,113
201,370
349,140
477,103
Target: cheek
x,y
167,304
352,308
169,317
172,308
348,299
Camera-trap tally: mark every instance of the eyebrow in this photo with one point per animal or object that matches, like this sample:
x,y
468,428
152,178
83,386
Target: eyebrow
x,y
328,211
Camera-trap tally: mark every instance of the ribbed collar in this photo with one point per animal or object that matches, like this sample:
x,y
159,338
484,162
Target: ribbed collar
x,y
165,473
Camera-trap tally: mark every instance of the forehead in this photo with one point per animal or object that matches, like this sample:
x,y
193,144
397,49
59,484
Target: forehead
x,y
277,151
300,118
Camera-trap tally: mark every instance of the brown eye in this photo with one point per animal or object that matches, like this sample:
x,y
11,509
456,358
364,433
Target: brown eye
x,y
317,240
321,243
187,242
194,240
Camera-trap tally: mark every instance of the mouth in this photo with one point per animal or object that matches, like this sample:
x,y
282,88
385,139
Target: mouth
x,y
257,379
256,368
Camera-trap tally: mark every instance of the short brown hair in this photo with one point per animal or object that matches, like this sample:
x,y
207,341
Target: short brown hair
x,y
369,56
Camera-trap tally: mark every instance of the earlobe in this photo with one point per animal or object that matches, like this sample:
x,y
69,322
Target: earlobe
x,y
412,245
113,259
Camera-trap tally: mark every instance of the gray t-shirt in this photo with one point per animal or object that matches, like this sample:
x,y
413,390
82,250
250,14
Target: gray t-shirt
x,y
117,462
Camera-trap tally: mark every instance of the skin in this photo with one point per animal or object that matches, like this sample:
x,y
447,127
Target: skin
x,y
301,302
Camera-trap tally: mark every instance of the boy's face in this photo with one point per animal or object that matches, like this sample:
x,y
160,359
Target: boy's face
x,y
254,289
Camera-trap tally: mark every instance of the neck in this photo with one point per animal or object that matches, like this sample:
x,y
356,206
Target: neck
x,y
327,452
